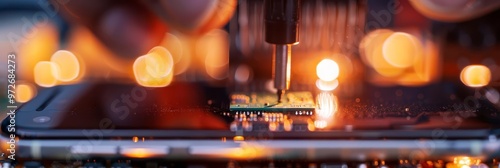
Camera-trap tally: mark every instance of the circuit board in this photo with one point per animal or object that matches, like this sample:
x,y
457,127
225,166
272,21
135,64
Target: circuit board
x,y
301,103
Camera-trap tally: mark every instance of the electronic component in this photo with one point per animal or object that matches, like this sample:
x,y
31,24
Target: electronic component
x,y
301,103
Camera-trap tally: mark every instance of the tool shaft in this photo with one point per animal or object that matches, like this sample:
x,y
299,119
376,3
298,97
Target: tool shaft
x,y
282,54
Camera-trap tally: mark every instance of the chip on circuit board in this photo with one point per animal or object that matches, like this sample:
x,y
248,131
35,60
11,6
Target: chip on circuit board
x,y
301,103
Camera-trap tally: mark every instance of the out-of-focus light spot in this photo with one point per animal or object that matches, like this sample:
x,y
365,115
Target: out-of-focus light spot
x,y
374,56
320,124
426,65
346,67
399,58
176,45
475,75
238,138
41,44
362,165
273,126
462,160
214,46
159,62
381,66
68,66
370,42
135,139
247,126
326,105
327,85
154,69
327,70
96,60
400,49
492,95
287,125
143,152
246,151
43,72
465,162
243,73
310,125
24,92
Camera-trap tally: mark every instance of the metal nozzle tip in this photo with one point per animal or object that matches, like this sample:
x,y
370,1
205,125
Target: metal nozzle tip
x,y
279,93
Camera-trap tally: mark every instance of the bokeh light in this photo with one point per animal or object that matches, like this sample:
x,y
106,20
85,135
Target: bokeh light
x,y
159,62
399,58
25,92
370,41
243,73
326,105
327,70
154,69
40,46
143,152
327,85
68,66
475,75
176,45
43,73
400,49
213,47
96,60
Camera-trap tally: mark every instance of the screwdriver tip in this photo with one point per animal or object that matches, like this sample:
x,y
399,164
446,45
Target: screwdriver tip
x,y
279,94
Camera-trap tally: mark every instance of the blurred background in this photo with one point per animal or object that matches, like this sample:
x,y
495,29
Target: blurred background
x,y
403,51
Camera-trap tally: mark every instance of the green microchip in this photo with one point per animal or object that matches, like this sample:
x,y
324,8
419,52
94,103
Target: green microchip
x,y
294,102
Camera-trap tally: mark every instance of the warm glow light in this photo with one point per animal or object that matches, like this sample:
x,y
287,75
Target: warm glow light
x,y
177,47
273,126
68,66
371,41
24,92
154,69
327,70
466,162
242,152
310,125
238,138
96,60
43,73
159,62
327,85
462,160
42,42
326,105
400,49
143,152
399,58
288,124
174,46
320,124
475,75
373,53
214,48
245,151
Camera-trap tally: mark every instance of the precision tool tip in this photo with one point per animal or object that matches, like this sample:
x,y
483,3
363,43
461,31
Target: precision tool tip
x,y
279,93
